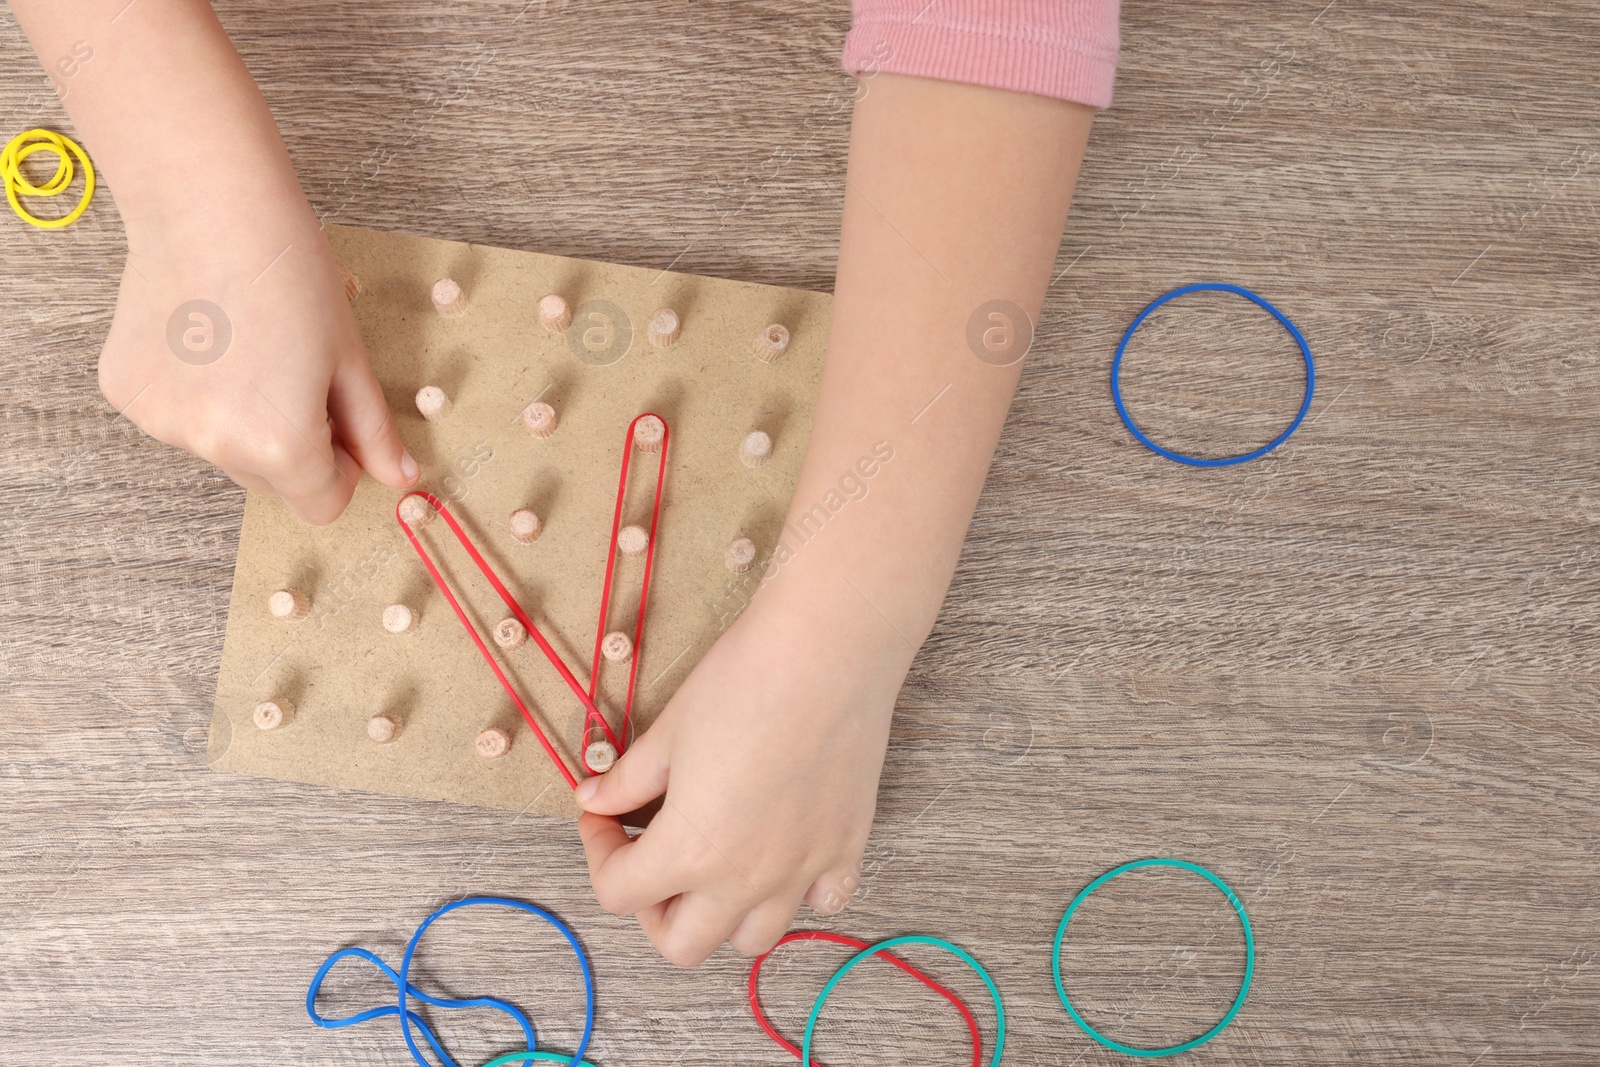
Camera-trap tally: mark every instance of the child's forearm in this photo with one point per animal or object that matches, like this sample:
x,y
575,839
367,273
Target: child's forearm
x,y
167,110
769,753
956,196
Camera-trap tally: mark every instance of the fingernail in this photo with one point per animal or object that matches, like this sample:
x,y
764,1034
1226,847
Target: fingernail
x,y
587,789
408,467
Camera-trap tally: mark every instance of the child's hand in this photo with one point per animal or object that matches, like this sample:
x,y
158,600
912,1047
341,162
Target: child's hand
x,y
289,405
215,213
769,755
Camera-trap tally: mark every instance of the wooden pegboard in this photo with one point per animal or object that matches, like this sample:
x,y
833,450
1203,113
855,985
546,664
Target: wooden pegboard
x,y
339,667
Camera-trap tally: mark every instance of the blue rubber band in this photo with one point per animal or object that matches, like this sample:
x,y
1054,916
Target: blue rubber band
x,y
1195,461
1244,985
390,1009
410,1018
910,939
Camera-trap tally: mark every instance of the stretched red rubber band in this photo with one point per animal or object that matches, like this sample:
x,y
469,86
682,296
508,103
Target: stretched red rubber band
x,y
644,589
592,714
840,939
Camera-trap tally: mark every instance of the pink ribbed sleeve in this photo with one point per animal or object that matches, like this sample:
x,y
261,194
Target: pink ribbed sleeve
x,y
1061,48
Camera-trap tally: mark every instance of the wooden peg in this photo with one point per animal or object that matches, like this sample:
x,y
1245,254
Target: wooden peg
x,y
271,714
525,526
399,619
664,328
632,540
352,284
554,313
509,634
617,647
416,511
289,605
493,743
382,729
432,402
755,449
601,756
448,298
648,433
740,554
539,418
770,343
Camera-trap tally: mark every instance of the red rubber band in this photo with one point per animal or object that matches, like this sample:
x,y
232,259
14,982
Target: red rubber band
x,y
591,712
644,590
840,939
592,715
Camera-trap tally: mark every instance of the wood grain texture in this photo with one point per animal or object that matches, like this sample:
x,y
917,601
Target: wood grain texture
x,y
1357,678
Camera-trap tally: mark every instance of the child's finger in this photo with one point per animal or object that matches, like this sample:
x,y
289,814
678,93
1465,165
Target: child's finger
x,y
362,420
761,929
832,892
247,481
651,919
287,443
695,926
602,836
317,484
637,778
626,875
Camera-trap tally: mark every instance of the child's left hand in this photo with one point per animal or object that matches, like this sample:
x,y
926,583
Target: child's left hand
x,y
769,756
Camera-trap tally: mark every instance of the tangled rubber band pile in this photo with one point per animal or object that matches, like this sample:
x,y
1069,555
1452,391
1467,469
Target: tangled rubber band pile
x,y
65,148
410,1019
880,949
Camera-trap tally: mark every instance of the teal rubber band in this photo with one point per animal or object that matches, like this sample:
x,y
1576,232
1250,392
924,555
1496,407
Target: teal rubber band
x,y
1172,1050
528,1057
908,939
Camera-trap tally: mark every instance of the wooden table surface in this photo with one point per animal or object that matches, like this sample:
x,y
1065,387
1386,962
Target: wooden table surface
x,y
1357,678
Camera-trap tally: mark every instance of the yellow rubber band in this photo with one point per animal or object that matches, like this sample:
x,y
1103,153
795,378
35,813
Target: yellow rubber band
x,y
26,144
58,181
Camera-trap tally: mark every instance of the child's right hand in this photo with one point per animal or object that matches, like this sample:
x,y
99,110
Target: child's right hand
x,y
214,212
271,382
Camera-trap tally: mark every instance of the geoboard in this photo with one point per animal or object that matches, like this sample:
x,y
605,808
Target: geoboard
x,y
330,664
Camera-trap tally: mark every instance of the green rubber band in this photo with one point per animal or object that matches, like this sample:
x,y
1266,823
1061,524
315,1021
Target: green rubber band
x,y
1244,986
524,1057
908,939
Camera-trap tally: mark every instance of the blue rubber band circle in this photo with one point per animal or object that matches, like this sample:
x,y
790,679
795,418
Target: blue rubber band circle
x,y
410,1018
378,1013
910,939
1233,1009
1196,461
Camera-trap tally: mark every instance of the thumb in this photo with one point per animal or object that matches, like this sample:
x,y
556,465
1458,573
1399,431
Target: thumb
x,y
362,421
637,778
